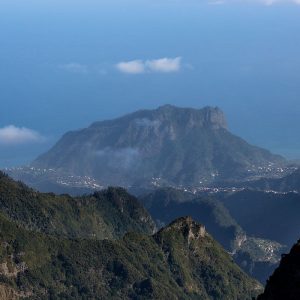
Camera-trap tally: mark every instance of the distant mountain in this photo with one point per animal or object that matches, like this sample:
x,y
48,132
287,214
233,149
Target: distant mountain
x,y
257,256
181,261
285,282
165,146
106,214
268,215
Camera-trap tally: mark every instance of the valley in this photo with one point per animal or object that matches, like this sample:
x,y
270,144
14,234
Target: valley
x,y
71,201
149,150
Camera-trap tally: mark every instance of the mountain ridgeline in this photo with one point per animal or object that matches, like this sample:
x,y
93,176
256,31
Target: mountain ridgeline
x,y
106,214
181,261
103,246
165,146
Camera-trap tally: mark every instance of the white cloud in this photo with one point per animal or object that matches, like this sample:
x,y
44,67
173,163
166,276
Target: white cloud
x,y
123,158
165,65
131,67
75,68
12,135
161,65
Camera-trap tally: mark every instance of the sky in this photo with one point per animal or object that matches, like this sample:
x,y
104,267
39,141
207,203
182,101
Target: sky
x,y
65,64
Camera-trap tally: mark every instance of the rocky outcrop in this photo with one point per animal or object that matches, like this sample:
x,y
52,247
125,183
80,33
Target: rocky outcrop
x,y
189,228
11,269
215,118
186,244
7,293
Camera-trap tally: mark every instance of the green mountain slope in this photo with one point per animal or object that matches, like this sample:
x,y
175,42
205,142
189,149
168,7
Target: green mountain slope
x,y
106,214
180,262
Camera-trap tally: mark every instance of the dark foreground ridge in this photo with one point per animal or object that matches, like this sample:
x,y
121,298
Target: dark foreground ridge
x,y
284,284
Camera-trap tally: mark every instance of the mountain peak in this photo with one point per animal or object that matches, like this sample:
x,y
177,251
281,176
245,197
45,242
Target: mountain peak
x,y
215,117
209,117
186,226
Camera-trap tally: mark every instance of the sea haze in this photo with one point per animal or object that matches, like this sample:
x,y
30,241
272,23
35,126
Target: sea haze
x,y
60,66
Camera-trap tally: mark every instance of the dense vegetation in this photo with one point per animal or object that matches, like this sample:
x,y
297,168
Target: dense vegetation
x,y
106,214
51,247
179,262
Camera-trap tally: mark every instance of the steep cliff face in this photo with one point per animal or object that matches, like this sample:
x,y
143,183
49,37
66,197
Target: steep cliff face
x,y
284,284
168,145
